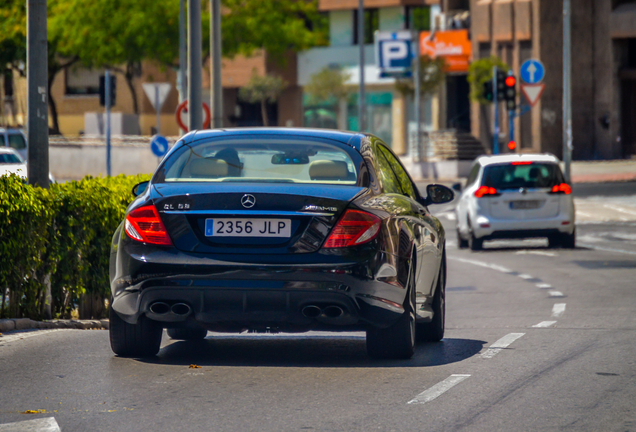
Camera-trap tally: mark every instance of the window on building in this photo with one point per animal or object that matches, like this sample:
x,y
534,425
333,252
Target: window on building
x,y
418,18
484,50
83,81
371,25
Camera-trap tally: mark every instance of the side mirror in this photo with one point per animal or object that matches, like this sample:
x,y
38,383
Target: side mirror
x,y
438,194
457,187
140,188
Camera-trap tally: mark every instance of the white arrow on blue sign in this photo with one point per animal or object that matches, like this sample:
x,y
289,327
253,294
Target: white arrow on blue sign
x,y
159,145
532,71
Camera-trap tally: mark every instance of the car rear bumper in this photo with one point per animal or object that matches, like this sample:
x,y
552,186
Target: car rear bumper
x,y
237,296
486,227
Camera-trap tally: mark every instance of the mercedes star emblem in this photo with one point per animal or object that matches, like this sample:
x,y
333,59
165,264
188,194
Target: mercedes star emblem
x,y
248,201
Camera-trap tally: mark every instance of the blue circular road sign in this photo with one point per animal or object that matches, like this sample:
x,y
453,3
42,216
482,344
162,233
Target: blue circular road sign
x,y
159,145
532,71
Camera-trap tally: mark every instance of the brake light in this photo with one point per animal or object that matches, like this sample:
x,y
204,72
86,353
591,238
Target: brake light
x,y
485,190
144,225
562,188
354,228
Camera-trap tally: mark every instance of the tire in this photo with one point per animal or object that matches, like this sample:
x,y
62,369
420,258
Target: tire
x,y
554,241
398,340
461,243
188,333
569,240
474,243
434,331
134,340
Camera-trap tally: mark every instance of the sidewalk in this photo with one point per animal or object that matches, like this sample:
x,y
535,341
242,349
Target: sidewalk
x,y
604,171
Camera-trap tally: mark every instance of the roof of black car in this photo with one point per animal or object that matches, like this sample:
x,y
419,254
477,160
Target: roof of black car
x,y
335,135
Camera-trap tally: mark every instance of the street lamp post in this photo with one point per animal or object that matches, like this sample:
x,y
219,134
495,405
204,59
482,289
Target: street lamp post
x,y
567,87
195,107
361,101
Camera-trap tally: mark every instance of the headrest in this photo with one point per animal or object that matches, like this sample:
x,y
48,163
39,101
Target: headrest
x,y
207,168
328,170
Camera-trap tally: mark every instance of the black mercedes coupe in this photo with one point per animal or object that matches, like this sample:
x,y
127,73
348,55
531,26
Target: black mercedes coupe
x,y
279,229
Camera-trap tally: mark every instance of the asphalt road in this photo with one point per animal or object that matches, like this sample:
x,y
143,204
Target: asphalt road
x,y
537,339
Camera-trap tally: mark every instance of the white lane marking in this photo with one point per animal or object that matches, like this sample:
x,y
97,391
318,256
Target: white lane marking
x,y
558,309
544,324
438,389
525,276
608,249
482,264
544,286
555,294
47,424
8,338
619,209
502,343
532,252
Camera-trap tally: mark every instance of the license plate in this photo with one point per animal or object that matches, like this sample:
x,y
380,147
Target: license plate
x,y
524,205
248,228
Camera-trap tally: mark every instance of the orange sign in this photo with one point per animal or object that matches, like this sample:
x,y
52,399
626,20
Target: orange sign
x,y
453,45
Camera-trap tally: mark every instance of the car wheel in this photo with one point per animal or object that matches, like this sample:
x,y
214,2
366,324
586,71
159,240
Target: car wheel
x,y
461,243
434,331
188,333
554,241
397,341
474,243
134,340
569,240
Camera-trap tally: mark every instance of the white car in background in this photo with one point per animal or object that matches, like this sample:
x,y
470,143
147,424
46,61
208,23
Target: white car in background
x,y
515,196
11,162
14,138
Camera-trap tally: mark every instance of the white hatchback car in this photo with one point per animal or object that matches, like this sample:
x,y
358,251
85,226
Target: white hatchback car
x,y
515,196
11,162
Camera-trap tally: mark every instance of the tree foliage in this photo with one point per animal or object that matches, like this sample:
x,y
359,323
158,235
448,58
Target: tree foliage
x,y
432,74
328,84
276,26
479,72
263,89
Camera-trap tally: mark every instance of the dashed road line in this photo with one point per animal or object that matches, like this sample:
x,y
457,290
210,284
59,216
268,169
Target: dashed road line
x,y
502,343
438,389
526,276
555,294
47,424
604,249
544,286
544,324
483,264
558,309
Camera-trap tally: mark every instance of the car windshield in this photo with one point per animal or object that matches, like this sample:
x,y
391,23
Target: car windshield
x,y
262,160
522,175
17,141
9,158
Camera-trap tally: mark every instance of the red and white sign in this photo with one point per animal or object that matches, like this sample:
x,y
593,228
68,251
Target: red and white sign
x,y
532,92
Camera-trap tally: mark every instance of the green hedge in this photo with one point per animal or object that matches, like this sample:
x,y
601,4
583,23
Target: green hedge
x,y
62,236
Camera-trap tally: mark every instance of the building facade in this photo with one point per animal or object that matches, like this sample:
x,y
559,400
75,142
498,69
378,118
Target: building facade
x,y
603,72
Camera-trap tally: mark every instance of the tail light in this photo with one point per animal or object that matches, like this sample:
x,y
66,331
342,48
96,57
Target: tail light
x,y
144,225
562,188
354,228
485,191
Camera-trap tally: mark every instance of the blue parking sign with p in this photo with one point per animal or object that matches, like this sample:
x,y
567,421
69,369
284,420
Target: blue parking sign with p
x,y
394,53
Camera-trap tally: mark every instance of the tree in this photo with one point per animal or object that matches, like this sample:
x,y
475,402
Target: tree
x,y
277,26
327,85
262,89
479,72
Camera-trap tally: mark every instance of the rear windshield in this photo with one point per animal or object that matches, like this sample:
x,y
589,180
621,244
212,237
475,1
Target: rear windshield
x,y
9,158
517,176
17,141
260,160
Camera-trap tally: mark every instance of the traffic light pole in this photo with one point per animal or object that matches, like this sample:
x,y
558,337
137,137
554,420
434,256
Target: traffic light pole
x,y
567,87
107,97
495,147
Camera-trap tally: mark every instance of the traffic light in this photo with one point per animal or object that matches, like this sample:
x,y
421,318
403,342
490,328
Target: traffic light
x,y
102,90
501,84
487,91
510,92
512,145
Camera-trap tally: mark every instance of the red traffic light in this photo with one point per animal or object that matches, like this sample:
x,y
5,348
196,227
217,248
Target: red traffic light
x,y
511,81
512,145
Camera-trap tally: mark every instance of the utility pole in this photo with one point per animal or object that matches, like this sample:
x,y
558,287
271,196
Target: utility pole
x,y
415,151
195,107
37,94
567,87
361,101
495,146
109,102
183,53
215,51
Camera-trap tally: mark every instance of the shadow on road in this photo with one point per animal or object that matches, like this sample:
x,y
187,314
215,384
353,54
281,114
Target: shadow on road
x,y
305,351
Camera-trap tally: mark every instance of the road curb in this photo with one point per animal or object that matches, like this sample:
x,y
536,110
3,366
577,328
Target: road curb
x,y
7,325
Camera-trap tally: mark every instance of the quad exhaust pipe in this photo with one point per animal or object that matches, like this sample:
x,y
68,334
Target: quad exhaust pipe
x,y
313,311
162,308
